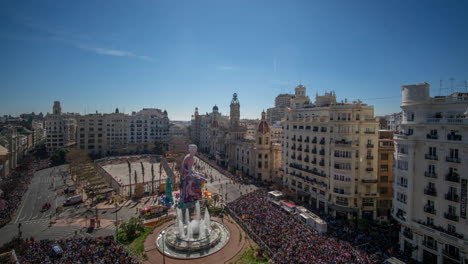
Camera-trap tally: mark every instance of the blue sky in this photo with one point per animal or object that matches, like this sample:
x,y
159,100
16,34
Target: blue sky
x,y
176,55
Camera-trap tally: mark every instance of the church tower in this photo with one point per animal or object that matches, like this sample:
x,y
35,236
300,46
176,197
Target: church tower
x,y
235,111
264,155
57,109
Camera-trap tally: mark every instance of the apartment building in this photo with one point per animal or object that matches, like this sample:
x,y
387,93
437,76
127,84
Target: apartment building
x,y
60,129
430,185
385,174
329,154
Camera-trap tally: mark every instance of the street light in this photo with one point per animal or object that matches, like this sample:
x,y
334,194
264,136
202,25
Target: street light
x,y
116,222
164,254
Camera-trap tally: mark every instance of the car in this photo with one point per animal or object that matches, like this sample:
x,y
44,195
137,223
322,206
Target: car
x,y
73,200
70,190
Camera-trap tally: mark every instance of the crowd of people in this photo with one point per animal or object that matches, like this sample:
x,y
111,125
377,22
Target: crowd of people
x,y
288,238
75,250
15,186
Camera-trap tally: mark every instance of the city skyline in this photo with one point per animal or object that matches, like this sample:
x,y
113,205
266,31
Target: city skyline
x,y
94,56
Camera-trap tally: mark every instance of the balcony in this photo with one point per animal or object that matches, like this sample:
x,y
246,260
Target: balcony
x,y
293,138
369,145
453,159
408,233
431,157
430,244
314,151
451,216
452,177
299,139
429,136
369,169
322,163
323,130
430,174
299,148
451,254
454,137
430,191
307,140
315,129
429,209
370,157
369,132
452,197
369,180
440,229
314,161
314,140
293,147
307,150
322,141
322,152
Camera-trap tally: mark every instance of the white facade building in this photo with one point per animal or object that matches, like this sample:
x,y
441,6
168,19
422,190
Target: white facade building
x,y
431,175
60,129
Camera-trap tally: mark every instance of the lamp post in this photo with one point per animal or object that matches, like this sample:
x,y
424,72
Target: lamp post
x,y
116,221
164,242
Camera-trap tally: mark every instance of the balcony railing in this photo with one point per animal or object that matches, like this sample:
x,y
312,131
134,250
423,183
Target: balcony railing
x,y
453,159
431,157
429,136
453,177
322,152
369,180
429,209
369,132
322,141
299,139
454,137
369,145
314,140
452,197
369,169
322,163
306,150
453,255
430,174
314,151
370,157
451,216
430,191
430,244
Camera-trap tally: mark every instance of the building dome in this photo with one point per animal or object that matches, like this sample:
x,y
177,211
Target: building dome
x,y
215,108
263,127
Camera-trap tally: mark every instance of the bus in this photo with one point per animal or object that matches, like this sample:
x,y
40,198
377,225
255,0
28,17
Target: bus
x,y
289,207
153,211
275,197
312,220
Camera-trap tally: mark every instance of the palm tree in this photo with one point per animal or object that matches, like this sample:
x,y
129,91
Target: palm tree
x,y
130,177
143,175
136,180
152,179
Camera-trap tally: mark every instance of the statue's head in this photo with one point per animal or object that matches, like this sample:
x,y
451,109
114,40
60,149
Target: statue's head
x,y
192,149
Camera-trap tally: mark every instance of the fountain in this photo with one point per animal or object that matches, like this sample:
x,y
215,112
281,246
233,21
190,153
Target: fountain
x,y
194,238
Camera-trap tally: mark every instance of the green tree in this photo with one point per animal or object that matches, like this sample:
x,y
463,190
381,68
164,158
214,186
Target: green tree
x,y
58,157
159,148
152,178
130,230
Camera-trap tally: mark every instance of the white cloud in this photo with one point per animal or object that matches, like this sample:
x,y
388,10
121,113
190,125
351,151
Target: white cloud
x,y
113,52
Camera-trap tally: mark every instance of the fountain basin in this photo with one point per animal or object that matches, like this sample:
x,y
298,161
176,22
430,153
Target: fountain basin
x,y
177,247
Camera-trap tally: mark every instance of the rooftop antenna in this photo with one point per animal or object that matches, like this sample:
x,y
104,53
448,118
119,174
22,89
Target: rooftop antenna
x,y
440,87
451,85
466,86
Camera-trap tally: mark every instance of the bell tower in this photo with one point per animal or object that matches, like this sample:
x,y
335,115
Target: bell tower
x,y
235,111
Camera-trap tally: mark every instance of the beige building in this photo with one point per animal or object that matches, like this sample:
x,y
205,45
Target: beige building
x,y
328,154
60,129
430,182
118,133
385,174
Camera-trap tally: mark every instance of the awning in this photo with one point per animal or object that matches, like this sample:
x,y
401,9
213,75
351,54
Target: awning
x,y
341,208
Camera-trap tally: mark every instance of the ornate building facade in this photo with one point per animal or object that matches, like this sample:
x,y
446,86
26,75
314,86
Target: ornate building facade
x,y
226,141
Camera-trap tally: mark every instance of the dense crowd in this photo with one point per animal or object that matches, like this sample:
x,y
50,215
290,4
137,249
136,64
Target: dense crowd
x,y
15,186
76,250
288,238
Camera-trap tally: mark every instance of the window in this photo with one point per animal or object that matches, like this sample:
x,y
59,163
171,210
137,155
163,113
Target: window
x,y
432,151
383,178
451,228
431,168
383,167
259,140
383,190
430,221
259,164
266,141
266,156
454,153
384,156
259,156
